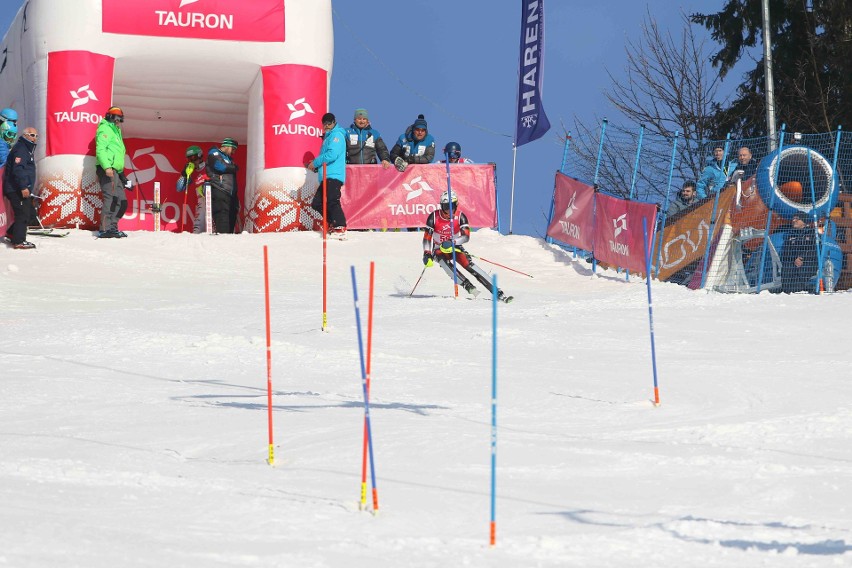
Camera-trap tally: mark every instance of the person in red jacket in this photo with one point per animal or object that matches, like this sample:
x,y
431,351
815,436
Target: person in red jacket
x,y
442,235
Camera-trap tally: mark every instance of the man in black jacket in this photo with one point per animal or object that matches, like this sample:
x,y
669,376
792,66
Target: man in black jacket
x,y
19,180
798,257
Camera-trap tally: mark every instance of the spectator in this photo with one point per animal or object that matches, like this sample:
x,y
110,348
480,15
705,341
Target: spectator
x,y
364,144
194,175
745,163
10,116
333,155
798,257
684,199
442,235
714,176
8,132
222,172
453,152
416,146
109,152
19,180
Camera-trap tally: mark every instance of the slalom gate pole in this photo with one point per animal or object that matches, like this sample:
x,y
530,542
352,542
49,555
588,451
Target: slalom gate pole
x,y
183,208
453,227
500,265
817,239
363,503
650,309
364,387
493,526
271,457
422,272
324,250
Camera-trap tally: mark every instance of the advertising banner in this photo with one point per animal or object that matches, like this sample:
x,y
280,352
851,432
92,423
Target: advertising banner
x,y
79,91
573,213
294,100
377,198
619,233
685,239
257,20
532,122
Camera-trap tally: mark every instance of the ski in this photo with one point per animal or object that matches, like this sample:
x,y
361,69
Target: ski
x,y
47,233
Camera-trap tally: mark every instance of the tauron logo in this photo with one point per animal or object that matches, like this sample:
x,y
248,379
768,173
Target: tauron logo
x,y
571,206
416,188
186,3
619,224
82,96
296,112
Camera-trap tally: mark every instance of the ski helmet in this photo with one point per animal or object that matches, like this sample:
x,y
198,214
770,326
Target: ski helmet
x,y
9,114
8,131
445,201
114,114
193,152
453,150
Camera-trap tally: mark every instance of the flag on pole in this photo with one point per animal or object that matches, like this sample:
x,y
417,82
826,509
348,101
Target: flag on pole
x,y
532,122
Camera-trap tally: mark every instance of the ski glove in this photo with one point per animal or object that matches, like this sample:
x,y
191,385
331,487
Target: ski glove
x,y
427,259
447,247
400,163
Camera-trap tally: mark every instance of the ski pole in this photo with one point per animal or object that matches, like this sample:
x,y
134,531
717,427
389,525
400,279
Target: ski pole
x,y
418,281
501,265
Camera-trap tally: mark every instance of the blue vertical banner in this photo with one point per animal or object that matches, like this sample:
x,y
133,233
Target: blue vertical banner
x,y
532,122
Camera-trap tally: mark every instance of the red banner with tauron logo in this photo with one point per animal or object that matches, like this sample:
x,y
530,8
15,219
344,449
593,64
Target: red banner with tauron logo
x,y
253,20
619,232
378,198
294,100
79,91
573,213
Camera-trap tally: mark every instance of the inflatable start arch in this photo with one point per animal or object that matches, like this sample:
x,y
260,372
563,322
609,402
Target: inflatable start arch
x,y
184,72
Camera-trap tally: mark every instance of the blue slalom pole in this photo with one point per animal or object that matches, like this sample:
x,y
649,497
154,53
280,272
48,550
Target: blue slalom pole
x,y
814,217
650,309
364,383
547,239
452,227
493,529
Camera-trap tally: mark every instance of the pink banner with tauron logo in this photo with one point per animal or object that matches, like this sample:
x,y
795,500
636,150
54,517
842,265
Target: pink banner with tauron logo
x,y
619,233
377,198
573,213
294,100
79,91
252,20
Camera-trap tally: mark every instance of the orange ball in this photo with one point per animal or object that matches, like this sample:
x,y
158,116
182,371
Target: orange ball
x,y
793,190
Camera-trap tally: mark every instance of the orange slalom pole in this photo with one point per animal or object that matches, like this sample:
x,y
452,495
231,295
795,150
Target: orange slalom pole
x,y
271,458
324,249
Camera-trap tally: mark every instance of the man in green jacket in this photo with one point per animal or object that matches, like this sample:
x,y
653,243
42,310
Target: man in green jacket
x,y
109,152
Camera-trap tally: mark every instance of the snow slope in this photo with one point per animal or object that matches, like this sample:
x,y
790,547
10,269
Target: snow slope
x,y
133,422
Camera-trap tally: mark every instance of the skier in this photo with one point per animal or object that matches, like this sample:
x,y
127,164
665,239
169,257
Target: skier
x,y
453,152
442,235
195,174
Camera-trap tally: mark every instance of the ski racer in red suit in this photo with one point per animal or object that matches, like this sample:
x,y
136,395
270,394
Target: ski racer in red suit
x,y
438,242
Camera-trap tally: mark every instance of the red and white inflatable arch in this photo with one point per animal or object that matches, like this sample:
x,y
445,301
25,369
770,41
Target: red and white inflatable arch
x,y
184,72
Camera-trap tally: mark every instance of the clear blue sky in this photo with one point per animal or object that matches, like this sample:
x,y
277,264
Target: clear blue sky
x,y
457,63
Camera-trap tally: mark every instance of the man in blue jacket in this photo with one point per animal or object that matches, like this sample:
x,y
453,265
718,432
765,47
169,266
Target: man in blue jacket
x,y
364,144
222,172
19,180
714,176
333,155
416,146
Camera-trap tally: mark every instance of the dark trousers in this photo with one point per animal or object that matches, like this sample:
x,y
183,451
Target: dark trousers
x,y
223,218
17,232
336,218
114,199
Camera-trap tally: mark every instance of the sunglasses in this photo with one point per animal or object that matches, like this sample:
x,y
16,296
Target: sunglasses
x,y
30,135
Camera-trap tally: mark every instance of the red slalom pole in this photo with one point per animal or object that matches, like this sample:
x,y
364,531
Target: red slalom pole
x,y
271,458
324,249
363,503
